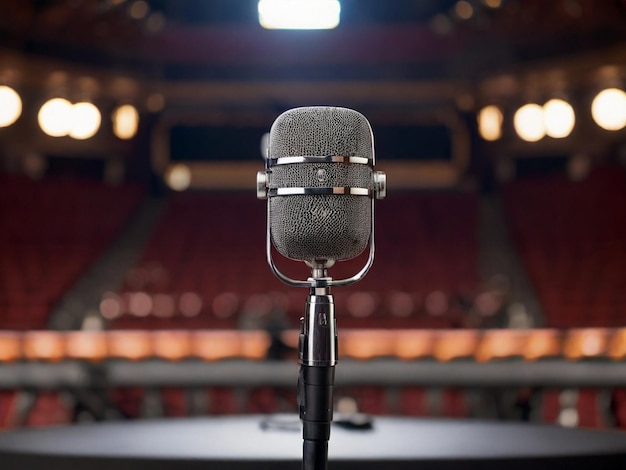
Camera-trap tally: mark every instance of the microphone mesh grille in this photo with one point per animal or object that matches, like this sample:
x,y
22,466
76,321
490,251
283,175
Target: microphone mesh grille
x,y
320,226
321,130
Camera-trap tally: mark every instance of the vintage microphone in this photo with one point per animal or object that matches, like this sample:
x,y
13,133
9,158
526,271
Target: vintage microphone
x,y
320,187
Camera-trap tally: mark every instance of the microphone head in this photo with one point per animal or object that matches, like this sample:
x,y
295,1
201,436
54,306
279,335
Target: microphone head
x,y
319,226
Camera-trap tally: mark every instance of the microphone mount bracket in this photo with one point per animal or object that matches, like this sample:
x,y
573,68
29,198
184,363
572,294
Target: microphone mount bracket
x,y
379,191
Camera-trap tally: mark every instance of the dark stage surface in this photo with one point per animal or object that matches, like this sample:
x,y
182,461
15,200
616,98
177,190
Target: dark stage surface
x,y
244,443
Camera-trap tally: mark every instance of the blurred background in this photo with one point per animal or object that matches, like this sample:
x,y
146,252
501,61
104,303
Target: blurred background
x,y
133,280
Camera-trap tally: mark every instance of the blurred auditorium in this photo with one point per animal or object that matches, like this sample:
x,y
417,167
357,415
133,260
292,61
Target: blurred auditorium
x,y
133,276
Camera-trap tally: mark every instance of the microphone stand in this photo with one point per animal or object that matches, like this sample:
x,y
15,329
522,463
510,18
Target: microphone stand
x,y
317,343
317,354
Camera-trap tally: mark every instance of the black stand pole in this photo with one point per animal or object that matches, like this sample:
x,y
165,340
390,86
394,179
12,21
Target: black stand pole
x,y
318,355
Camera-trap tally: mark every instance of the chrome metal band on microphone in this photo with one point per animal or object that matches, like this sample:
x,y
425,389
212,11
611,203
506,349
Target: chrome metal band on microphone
x,y
273,161
317,191
378,191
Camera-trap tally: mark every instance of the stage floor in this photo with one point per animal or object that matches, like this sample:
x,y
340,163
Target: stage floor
x,y
259,442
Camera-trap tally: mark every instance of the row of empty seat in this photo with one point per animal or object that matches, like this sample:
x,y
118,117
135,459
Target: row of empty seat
x,y
214,242
52,230
570,236
210,246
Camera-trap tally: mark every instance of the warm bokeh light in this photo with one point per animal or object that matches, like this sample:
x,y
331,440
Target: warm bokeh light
x,y
55,117
501,344
401,304
559,118
10,346
302,14
413,344
172,345
190,304
90,345
455,344
225,304
367,344
43,346
155,102
464,10
140,304
138,9
111,306
493,3
125,121
528,123
490,123
178,177
132,345
86,121
609,109
10,106
542,343
212,345
436,303
361,304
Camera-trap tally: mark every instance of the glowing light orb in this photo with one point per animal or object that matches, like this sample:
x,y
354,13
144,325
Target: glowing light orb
x,y
528,123
490,123
608,109
55,117
559,118
10,106
178,177
125,121
86,121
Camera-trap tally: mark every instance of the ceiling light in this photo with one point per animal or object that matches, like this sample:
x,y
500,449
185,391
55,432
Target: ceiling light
x,y
10,106
528,123
299,14
55,117
125,121
86,121
490,123
609,109
559,118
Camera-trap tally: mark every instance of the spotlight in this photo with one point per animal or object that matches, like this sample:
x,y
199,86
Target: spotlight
x,y
299,14
528,123
490,123
10,106
125,121
55,117
559,118
86,121
608,109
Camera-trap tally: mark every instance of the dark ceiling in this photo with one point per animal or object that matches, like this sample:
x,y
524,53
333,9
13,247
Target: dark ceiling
x,y
221,39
